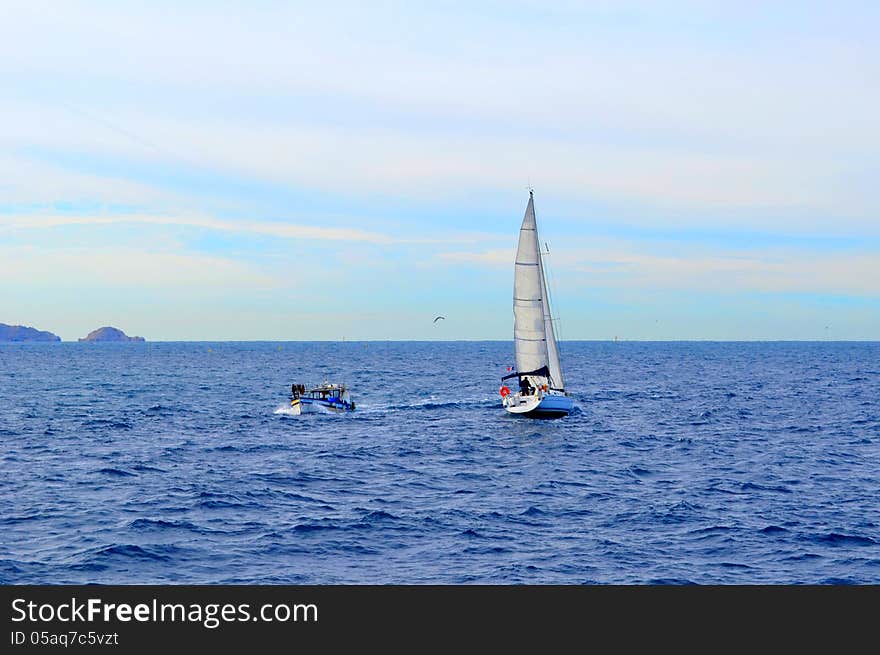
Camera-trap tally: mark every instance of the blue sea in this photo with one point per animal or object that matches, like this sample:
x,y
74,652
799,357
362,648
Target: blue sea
x,y
684,462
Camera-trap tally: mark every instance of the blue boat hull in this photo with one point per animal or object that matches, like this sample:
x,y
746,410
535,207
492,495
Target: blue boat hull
x,y
552,406
316,405
549,406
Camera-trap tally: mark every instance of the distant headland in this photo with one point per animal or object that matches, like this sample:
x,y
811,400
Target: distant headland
x,y
22,333
108,333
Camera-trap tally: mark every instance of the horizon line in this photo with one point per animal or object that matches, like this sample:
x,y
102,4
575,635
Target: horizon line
x,y
606,340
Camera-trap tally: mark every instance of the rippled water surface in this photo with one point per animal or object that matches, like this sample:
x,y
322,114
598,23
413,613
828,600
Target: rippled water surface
x,y
727,463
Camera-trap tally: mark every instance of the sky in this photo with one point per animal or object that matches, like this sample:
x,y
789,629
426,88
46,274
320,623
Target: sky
x,y
299,171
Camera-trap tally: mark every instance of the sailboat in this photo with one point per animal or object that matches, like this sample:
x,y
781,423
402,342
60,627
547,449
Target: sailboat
x,y
540,389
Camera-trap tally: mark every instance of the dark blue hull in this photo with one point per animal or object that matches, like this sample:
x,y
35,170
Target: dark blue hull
x,y
333,405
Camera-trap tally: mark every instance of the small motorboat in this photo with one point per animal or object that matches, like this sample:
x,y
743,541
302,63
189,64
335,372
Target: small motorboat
x,y
321,398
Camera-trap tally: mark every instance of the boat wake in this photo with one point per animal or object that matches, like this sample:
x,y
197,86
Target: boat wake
x,y
286,410
433,403
424,405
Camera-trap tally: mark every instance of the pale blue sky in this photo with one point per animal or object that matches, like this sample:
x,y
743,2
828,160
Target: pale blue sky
x,y
261,170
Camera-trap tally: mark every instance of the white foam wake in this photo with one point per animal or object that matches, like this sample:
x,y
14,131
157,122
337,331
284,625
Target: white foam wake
x,y
287,410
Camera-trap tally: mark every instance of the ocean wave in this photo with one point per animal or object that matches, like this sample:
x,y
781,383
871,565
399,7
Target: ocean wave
x,y
317,527
753,486
120,473
160,525
12,520
113,424
839,539
146,468
773,529
99,556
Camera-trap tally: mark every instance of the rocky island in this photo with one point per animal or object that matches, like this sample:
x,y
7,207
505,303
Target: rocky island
x,y
21,334
109,334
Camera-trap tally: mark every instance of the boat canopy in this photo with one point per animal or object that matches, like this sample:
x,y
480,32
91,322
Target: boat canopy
x,y
543,371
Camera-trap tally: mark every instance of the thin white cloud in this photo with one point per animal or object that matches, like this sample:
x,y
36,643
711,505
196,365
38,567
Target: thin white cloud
x,y
612,264
488,258
75,269
281,230
27,181
427,164
731,272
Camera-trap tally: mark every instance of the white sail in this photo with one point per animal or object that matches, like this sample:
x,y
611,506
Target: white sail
x,y
533,333
530,343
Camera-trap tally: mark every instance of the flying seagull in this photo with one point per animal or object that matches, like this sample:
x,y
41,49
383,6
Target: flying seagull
x,y
439,317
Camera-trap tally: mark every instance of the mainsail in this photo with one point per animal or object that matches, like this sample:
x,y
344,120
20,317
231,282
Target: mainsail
x,y
533,333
